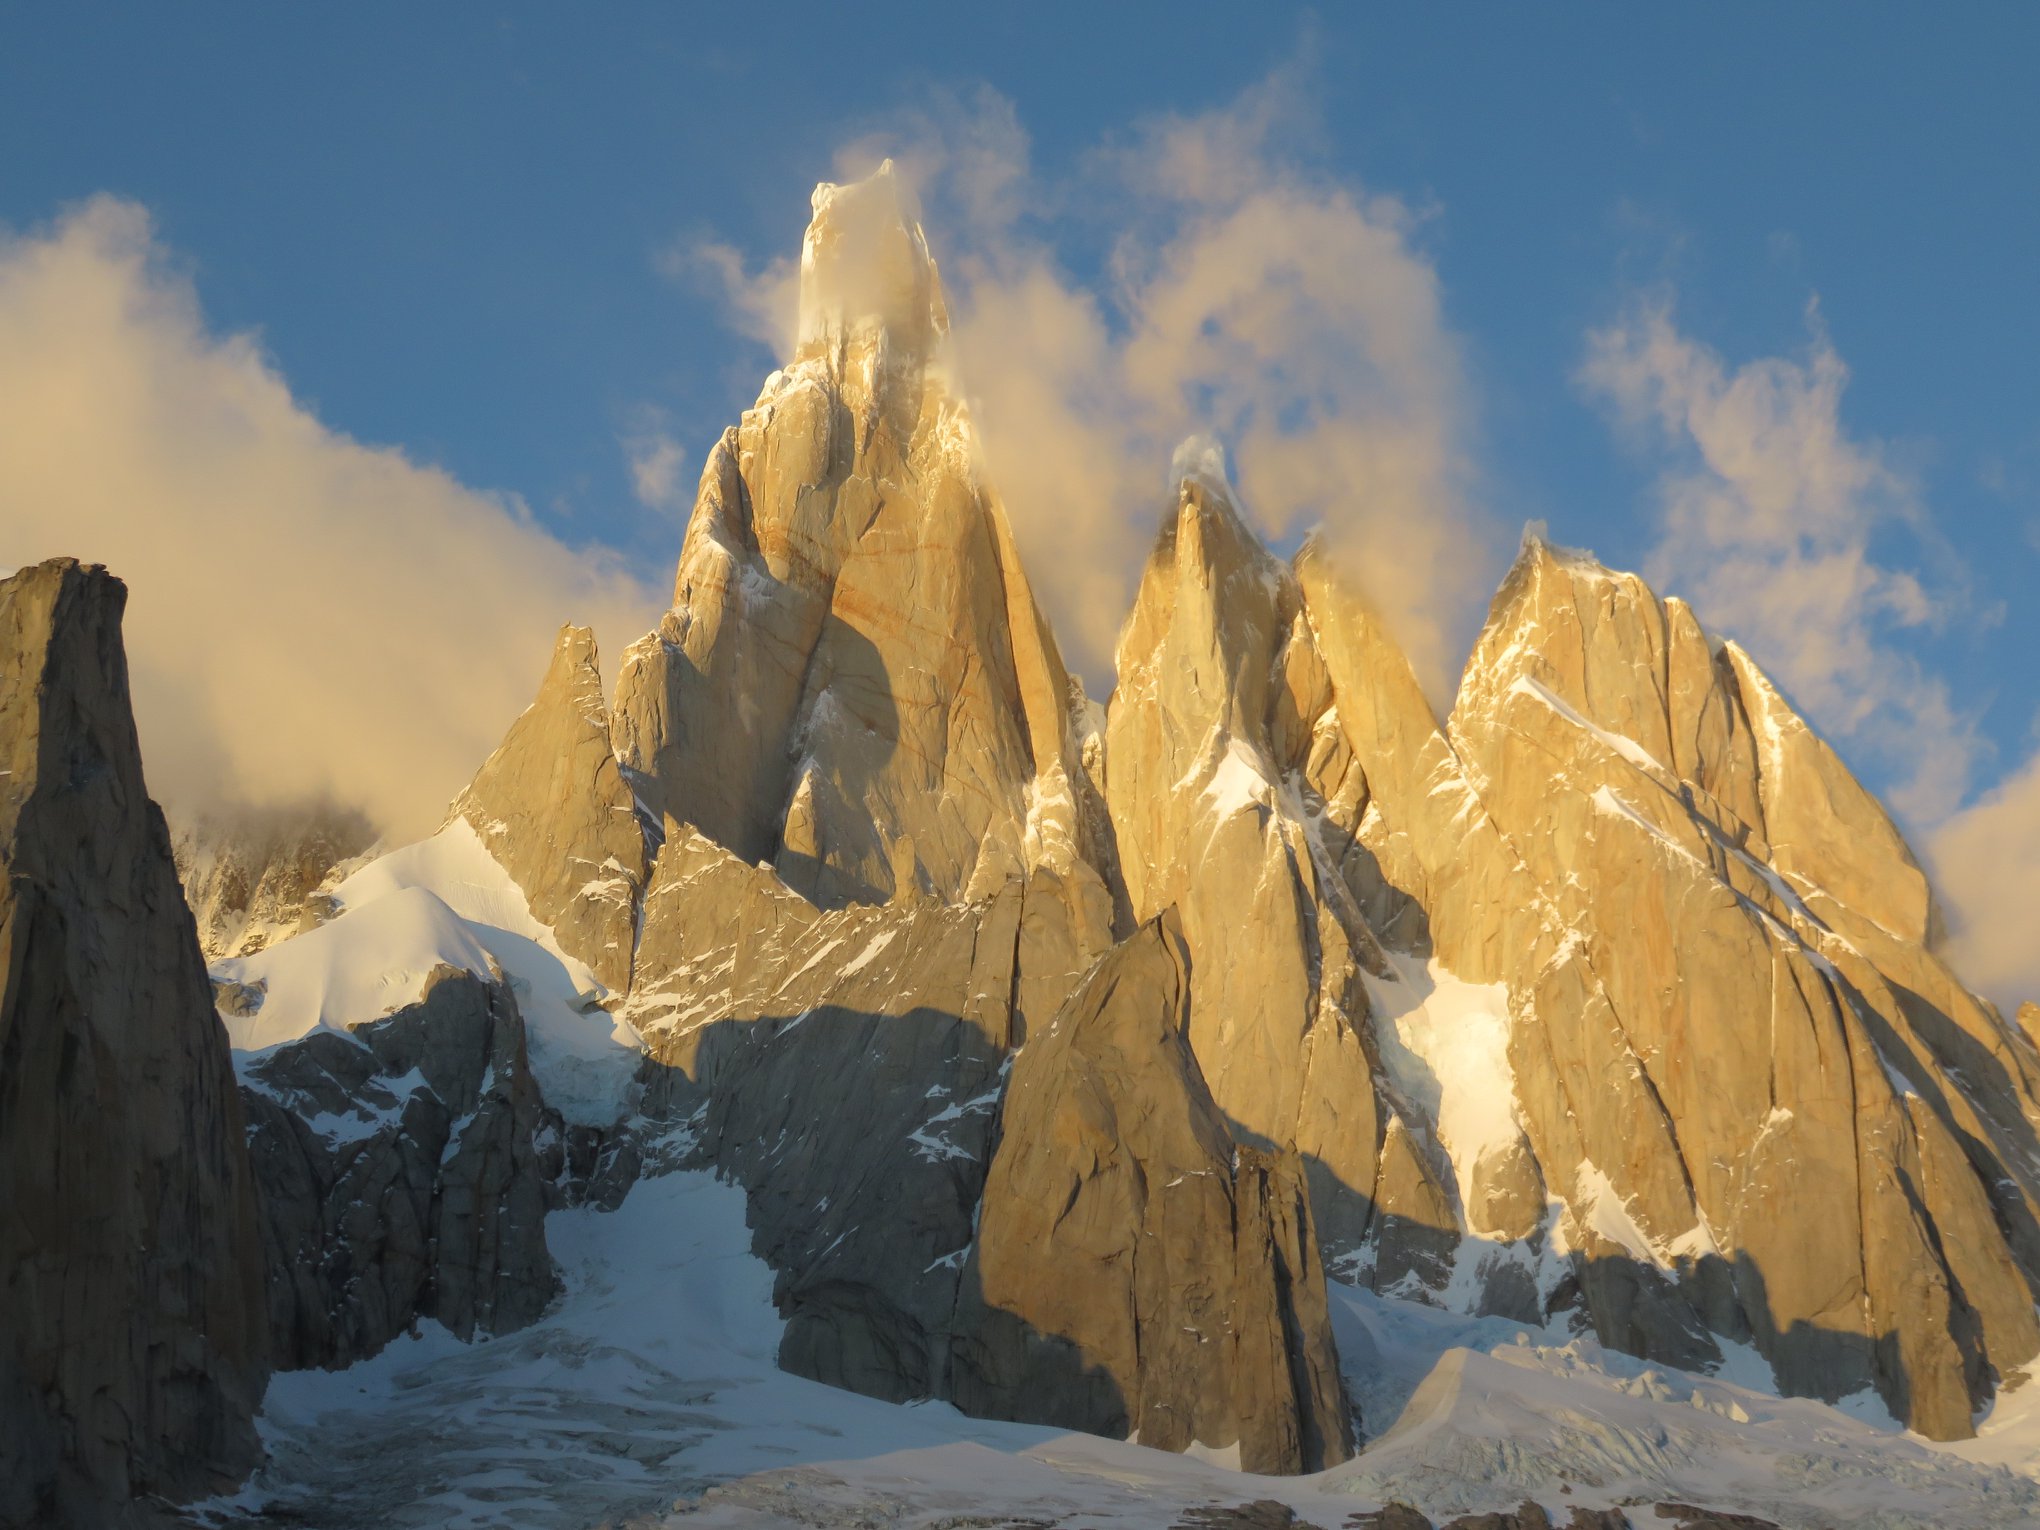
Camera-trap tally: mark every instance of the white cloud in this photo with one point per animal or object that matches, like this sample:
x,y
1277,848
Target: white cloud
x,y
658,467
761,305
309,617
1986,862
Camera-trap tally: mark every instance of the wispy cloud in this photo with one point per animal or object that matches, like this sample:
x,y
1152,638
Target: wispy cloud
x,y
761,304
658,465
1986,861
309,617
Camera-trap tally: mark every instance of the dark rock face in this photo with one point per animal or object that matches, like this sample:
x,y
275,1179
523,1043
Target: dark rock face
x,y
1528,1517
132,1350
1691,1517
1394,1516
1135,1269
1261,1514
402,1175
844,1068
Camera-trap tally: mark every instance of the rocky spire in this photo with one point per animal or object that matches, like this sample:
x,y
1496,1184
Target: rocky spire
x,y
1716,1032
552,806
133,1351
1135,1269
1220,742
854,682
870,296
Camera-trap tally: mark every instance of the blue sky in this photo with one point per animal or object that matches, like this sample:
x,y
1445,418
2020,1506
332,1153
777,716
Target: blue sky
x,y
452,227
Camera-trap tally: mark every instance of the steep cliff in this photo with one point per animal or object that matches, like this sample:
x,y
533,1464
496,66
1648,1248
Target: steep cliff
x,y
132,1348
400,1175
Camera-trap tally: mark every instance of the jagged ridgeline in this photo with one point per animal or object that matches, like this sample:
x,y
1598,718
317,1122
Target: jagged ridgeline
x,y
1613,995
1042,1037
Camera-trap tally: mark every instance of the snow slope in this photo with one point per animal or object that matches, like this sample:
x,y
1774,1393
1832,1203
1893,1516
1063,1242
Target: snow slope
x,y
1445,1044
443,900
649,1396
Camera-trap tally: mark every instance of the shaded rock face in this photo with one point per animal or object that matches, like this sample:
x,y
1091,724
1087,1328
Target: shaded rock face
x,y
854,683
132,1350
255,878
402,1175
1135,1270
552,806
846,1067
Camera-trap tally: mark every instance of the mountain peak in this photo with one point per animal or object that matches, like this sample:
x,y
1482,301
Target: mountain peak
x,y
864,266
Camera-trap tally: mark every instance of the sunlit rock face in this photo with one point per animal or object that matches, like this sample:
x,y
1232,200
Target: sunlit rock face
x,y
855,683
1222,747
553,808
1623,969
1763,1107
133,1353
882,857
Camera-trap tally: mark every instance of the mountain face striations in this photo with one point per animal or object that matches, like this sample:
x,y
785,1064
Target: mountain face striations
x,y
854,682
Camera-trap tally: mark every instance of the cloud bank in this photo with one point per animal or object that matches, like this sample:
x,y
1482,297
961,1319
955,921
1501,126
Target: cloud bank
x,y
309,618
